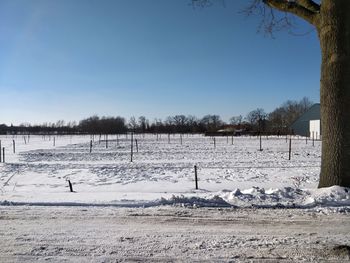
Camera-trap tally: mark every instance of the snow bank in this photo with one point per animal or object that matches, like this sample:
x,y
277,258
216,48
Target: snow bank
x,y
193,201
288,197
255,197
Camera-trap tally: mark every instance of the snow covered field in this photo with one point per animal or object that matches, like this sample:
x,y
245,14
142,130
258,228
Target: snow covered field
x,y
162,171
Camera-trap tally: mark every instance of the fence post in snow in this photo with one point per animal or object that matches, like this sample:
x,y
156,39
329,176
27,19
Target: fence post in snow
x,y
169,138
232,140
181,139
313,139
0,151
106,141
260,149
3,154
54,141
137,146
214,143
70,186
196,176
90,146
14,146
290,148
131,149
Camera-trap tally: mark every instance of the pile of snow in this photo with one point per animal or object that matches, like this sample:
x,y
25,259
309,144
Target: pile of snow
x,y
255,197
288,197
194,201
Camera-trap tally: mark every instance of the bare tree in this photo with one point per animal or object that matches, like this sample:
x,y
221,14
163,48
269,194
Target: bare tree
x,y
211,122
236,120
257,119
133,124
143,122
282,117
331,20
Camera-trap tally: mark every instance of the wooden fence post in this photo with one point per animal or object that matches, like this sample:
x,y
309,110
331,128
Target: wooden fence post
x,y
196,176
3,154
260,143
137,146
90,146
0,151
14,146
70,186
131,147
290,148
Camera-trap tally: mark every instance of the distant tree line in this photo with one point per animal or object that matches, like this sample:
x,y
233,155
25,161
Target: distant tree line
x,y
256,121
279,120
104,125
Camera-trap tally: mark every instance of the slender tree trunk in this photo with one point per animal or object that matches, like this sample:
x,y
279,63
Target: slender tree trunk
x,y
334,35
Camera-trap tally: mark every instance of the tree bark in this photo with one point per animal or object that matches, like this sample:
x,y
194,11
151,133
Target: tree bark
x,y
334,34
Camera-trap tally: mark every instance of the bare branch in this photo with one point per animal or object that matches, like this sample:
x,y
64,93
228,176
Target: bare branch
x,y
294,8
309,4
206,3
271,21
201,3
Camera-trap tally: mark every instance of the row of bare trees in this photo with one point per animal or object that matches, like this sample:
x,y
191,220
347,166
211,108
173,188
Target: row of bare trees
x,y
278,121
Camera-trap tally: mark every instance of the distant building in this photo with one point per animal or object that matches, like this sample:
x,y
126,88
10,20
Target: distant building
x,y
309,124
229,130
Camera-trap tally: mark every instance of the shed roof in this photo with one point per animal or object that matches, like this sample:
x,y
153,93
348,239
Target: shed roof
x,y
314,113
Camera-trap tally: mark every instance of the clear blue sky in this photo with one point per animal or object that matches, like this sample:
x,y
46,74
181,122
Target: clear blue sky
x,y
70,59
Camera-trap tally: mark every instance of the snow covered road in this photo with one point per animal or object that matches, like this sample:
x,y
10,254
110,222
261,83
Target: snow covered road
x,y
172,234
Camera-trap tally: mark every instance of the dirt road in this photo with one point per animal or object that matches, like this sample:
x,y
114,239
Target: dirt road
x,y
171,234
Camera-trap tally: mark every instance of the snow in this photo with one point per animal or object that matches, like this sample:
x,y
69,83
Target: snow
x,y
162,172
171,234
148,210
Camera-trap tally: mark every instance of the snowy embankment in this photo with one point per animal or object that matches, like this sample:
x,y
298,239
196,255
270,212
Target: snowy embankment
x,y
231,171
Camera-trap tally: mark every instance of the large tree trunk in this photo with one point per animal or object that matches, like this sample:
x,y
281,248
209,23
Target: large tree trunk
x,y
334,34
